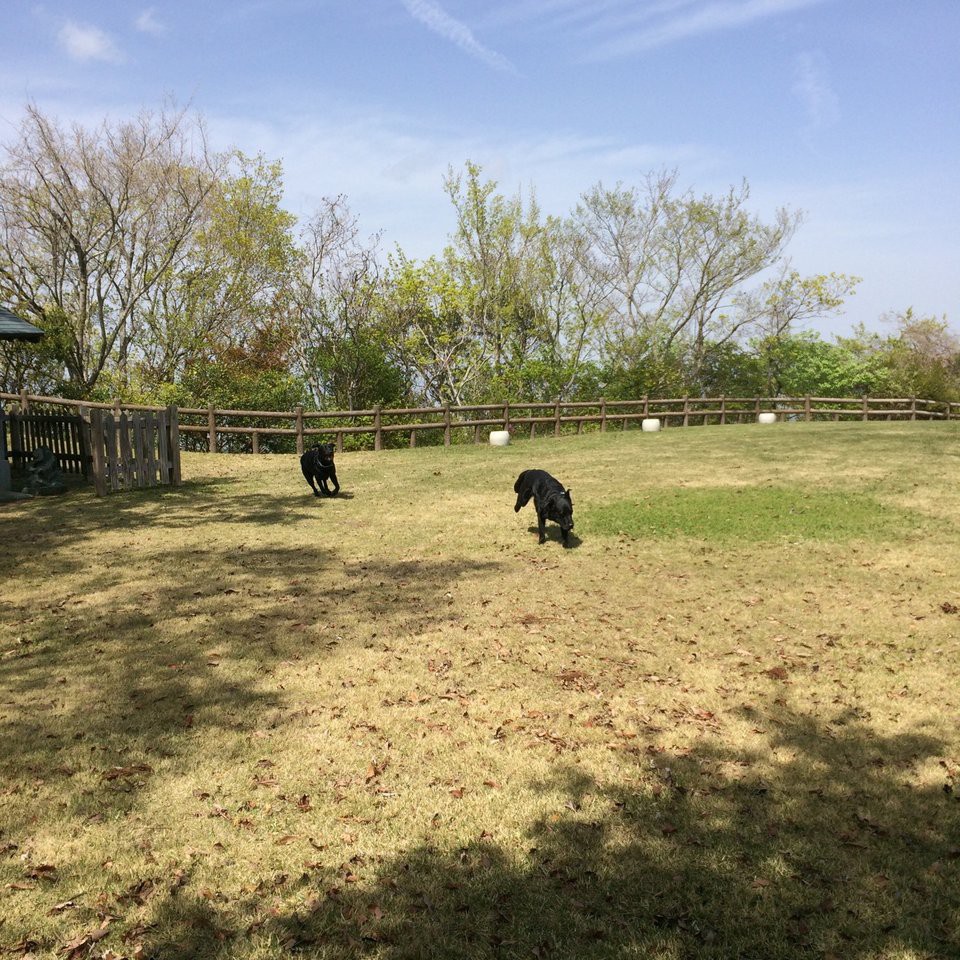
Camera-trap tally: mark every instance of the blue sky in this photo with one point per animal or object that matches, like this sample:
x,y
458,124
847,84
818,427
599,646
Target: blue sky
x,y
846,109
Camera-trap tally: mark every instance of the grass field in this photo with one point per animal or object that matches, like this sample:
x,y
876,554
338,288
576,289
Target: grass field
x,y
238,721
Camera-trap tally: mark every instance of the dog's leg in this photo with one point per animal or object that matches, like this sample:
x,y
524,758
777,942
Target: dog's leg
x,y
336,483
309,478
542,522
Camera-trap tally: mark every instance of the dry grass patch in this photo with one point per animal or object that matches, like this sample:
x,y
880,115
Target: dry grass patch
x,y
240,721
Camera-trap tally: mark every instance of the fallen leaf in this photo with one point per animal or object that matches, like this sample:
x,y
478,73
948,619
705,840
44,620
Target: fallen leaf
x,y
776,673
60,907
80,946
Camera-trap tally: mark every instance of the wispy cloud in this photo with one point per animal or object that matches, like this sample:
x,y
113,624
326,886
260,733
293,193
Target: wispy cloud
x,y
391,166
619,28
83,42
147,22
435,18
812,86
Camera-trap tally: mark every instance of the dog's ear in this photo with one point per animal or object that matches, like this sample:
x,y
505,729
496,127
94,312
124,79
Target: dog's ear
x,y
566,493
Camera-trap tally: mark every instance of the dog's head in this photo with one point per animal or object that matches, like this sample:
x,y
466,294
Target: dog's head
x,y
324,454
561,511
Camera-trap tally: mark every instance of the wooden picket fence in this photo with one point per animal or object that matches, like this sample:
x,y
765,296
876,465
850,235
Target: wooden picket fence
x,y
64,434
118,448
134,449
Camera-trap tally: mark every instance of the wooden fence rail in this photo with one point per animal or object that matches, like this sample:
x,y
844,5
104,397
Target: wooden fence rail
x,y
213,429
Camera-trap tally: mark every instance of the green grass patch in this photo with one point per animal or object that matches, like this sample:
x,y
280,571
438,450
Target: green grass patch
x,y
749,514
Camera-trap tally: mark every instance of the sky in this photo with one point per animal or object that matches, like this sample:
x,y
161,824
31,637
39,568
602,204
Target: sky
x,y
848,110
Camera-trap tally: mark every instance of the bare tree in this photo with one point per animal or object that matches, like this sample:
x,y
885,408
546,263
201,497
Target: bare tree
x,y
673,265
91,219
573,303
623,249
339,346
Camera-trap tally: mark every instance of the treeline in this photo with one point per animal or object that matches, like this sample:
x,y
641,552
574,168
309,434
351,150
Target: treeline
x,y
163,271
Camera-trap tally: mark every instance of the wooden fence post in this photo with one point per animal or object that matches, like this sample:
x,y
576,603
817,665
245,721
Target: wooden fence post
x,y
138,424
377,428
211,430
913,408
298,411
339,441
866,408
603,414
723,408
96,451
413,439
255,441
506,416
686,410
533,429
446,424
556,418
807,409
86,446
174,415
126,453
756,411
24,401
161,428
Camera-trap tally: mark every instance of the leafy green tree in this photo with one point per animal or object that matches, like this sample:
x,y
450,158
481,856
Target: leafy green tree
x,y
235,276
924,357
496,259
780,306
849,367
255,375
431,333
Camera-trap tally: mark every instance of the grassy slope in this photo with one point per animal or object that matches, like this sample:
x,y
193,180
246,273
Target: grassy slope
x,y
236,720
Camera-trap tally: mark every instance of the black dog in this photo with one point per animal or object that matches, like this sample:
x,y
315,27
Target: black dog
x,y
318,463
551,501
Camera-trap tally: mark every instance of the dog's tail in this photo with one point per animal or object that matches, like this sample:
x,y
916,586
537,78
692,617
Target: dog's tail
x,y
519,483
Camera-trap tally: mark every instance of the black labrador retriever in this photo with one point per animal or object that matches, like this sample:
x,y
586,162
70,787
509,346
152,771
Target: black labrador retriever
x,y
551,501
318,464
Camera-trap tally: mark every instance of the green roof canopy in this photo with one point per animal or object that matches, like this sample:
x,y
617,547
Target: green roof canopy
x,y
13,328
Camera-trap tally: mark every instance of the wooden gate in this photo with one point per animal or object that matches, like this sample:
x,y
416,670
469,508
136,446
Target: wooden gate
x,y
134,449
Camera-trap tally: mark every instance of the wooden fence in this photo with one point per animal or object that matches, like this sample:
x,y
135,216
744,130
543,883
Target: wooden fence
x,y
64,434
135,449
212,429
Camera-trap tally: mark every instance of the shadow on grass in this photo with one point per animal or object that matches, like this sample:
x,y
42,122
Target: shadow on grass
x,y
553,533
70,524
126,672
837,855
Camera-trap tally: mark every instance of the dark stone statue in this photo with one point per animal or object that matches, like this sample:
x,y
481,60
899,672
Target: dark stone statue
x,y
43,474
